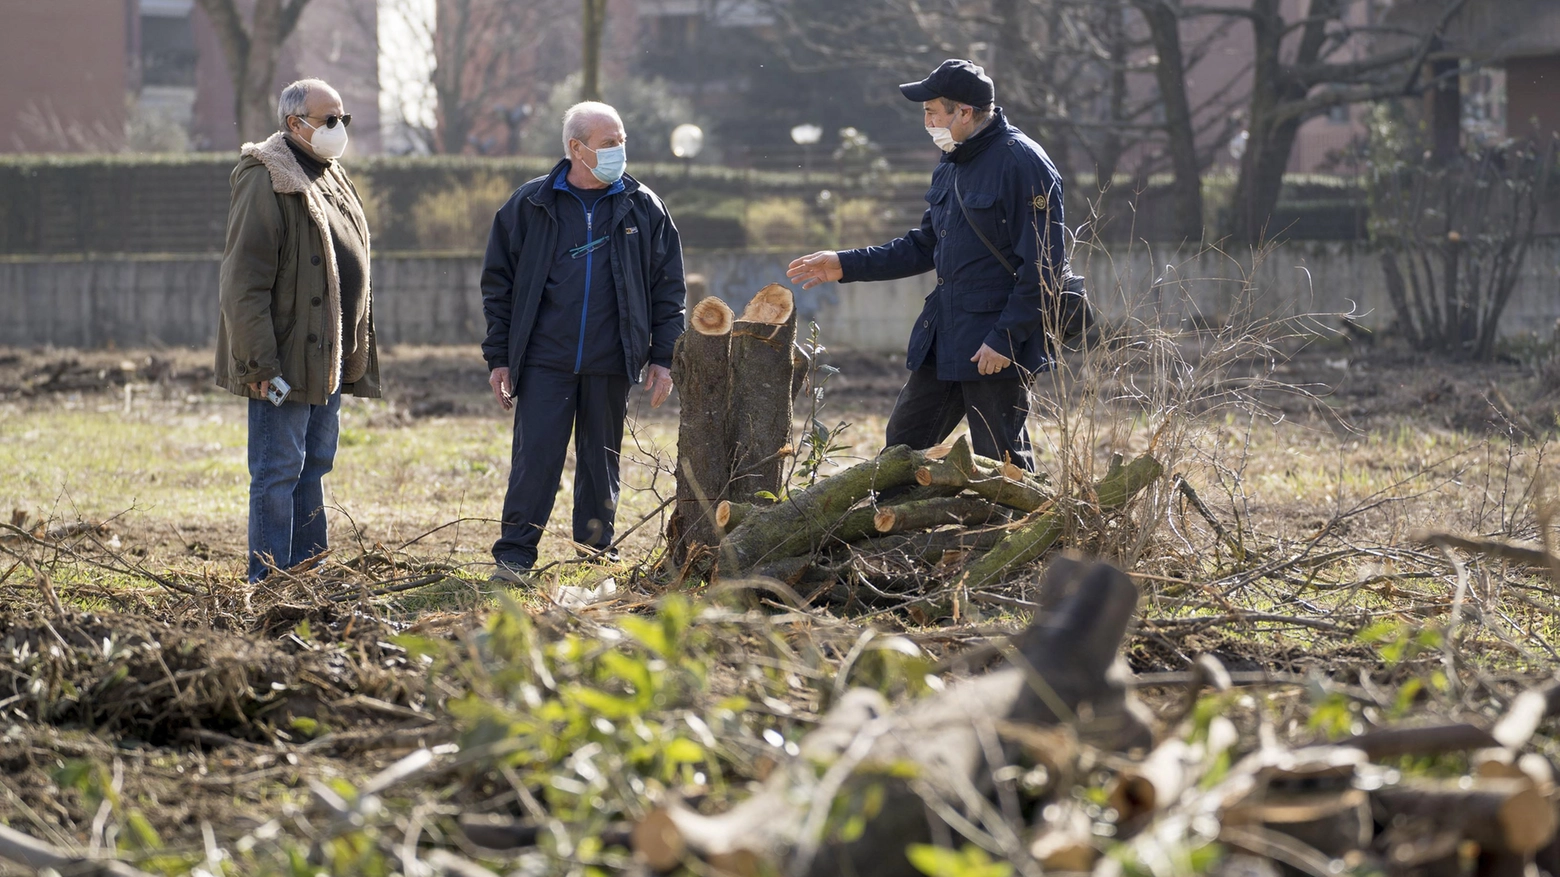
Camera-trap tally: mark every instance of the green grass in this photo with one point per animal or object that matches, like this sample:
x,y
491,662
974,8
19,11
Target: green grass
x,y
171,474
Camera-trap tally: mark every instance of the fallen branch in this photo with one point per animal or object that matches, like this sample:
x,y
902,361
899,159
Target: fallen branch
x,y
1033,539
24,849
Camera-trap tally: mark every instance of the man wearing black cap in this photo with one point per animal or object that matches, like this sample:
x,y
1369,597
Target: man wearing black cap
x,y
993,232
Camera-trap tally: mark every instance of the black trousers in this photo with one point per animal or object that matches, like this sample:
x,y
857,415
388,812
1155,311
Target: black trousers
x,y
928,410
549,406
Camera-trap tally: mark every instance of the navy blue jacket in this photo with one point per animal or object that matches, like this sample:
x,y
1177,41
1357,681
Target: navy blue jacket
x,y
577,323
645,259
1013,191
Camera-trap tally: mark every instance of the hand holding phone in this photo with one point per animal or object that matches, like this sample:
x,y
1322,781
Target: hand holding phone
x,y
276,390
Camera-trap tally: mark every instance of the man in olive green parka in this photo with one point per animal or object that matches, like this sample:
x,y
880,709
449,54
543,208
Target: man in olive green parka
x,y
296,305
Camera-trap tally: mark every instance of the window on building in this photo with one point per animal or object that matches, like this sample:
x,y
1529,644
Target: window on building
x,y
167,43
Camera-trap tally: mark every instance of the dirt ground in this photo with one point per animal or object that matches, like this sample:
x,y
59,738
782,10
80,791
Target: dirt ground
x,y
210,703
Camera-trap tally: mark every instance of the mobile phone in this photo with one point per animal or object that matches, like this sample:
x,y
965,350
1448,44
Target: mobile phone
x,y
276,390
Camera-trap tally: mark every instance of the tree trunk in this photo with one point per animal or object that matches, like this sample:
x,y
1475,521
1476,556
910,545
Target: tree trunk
x,y
595,20
701,373
1186,183
251,53
451,34
759,412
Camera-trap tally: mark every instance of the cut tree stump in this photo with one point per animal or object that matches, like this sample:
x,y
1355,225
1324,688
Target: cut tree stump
x,y
701,373
945,747
763,367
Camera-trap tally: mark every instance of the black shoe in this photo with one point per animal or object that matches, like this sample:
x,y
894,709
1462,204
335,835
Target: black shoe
x,y
511,572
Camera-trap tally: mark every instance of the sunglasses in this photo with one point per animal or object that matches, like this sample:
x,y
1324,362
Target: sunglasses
x,y
330,121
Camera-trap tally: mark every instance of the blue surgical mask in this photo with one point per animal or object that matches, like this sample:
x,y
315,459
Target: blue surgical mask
x,y
610,163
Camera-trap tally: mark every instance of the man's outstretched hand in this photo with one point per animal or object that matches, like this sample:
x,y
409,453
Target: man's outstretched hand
x,y
988,361
820,267
658,383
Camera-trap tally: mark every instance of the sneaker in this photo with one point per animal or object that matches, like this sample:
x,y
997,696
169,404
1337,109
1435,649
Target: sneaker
x,y
511,572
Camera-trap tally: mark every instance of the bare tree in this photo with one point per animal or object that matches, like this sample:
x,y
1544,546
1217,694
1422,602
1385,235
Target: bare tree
x,y
489,67
1335,54
252,49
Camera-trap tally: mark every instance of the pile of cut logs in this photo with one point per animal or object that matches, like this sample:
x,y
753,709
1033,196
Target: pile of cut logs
x,y
1003,761
893,522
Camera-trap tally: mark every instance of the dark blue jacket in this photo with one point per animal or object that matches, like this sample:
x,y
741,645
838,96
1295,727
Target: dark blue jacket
x,y
645,257
1012,190
577,323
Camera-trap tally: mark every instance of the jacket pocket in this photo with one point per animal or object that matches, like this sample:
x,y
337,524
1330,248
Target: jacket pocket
x,y
983,301
986,213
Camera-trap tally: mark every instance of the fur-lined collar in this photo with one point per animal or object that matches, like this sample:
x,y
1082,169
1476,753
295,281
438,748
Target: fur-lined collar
x,y
287,175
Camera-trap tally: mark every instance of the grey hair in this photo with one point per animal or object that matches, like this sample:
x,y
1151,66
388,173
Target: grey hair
x,y
578,118
981,113
294,99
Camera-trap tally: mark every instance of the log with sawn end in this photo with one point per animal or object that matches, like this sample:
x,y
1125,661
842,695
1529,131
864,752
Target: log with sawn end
x,y
763,341
797,524
701,372
998,483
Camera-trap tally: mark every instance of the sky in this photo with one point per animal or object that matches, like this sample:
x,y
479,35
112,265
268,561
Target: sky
x,y
405,70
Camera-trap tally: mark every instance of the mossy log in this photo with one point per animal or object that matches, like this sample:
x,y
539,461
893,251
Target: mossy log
x,y
801,522
1003,484
926,514
1030,540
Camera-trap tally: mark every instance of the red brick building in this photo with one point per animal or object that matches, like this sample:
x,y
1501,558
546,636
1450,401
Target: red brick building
x,y
149,75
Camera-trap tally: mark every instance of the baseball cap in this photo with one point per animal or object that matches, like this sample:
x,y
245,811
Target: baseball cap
x,y
957,80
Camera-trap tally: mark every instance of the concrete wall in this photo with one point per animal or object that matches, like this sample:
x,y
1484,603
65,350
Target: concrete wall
x,y
171,300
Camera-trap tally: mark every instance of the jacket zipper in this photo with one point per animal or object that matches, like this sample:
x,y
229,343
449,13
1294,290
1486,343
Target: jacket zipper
x,y
579,350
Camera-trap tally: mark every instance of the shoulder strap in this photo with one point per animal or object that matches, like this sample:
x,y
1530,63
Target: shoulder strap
x,y
978,233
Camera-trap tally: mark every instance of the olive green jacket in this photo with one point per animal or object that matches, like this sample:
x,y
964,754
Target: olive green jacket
x,y
280,289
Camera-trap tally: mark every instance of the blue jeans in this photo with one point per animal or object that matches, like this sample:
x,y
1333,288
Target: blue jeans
x,y
291,447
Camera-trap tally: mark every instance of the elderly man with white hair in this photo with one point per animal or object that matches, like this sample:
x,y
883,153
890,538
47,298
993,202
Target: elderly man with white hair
x,y
583,293
296,329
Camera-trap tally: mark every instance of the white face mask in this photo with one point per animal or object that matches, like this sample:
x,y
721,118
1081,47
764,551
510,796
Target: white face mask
x,y
943,137
327,143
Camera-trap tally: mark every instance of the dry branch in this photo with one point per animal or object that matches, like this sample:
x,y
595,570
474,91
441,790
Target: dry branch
x,y
1526,555
39,855
1060,673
